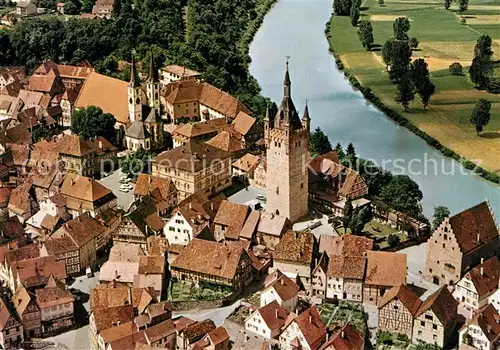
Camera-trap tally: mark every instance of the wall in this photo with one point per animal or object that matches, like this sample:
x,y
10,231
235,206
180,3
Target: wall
x,y
177,230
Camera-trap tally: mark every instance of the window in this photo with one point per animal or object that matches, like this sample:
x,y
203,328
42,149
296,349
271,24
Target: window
x,y
434,326
434,336
396,307
444,245
428,317
422,323
419,332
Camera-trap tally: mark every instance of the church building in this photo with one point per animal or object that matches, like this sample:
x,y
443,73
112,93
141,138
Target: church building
x,y
146,127
287,140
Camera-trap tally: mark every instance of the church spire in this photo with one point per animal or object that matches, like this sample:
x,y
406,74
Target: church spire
x,y
268,113
287,83
153,72
306,113
134,78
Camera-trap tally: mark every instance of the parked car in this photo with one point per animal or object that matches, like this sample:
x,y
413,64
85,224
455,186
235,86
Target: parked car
x,y
261,198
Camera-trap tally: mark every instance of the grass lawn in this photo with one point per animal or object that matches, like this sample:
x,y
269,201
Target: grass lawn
x,y
345,311
443,40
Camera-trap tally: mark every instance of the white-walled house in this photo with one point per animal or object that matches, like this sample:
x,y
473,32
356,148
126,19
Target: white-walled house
x,y
475,288
178,229
284,291
306,332
494,299
267,321
483,331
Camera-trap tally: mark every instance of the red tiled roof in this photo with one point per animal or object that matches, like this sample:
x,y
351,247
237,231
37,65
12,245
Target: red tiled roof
x,y
405,295
488,320
385,269
284,287
486,282
442,303
274,315
346,338
312,327
295,246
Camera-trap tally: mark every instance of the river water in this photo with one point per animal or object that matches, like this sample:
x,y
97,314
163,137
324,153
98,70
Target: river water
x,y
296,28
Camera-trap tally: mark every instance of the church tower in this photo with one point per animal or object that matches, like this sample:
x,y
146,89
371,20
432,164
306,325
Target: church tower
x,y
287,139
153,86
134,95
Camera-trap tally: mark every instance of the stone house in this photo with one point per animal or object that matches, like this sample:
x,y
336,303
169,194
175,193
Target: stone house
x,y
229,221
282,290
396,310
347,337
436,318
85,158
250,129
260,175
459,244
482,331
188,337
200,132
139,223
306,331
384,270
271,229
11,329
244,168
28,311
225,263
474,289
25,8
173,72
84,194
228,140
67,103
295,255
217,339
267,321
47,84
103,8
34,273
76,243
161,189
190,174
56,307
72,77
330,182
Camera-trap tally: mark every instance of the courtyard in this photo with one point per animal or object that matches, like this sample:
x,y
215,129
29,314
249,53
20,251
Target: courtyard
x,y
112,181
186,291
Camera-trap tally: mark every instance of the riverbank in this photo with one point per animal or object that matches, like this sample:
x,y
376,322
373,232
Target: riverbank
x,y
262,8
446,125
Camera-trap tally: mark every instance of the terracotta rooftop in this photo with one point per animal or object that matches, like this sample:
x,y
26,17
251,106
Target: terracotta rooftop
x,y
486,282
473,223
312,327
21,299
227,141
11,228
284,287
346,338
488,320
247,163
243,123
108,93
272,224
250,226
6,313
41,83
110,296
197,330
151,265
193,130
107,318
29,251
36,272
81,230
295,246
232,216
180,71
385,269
405,295
274,315
146,184
442,304
191,157
210,258
83,188
53,294
63,70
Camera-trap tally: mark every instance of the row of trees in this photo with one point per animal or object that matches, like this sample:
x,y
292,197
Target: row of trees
x,y
481,69
214,29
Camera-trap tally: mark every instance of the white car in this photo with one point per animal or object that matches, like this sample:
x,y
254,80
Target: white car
x,y
128,186
122,189
123,177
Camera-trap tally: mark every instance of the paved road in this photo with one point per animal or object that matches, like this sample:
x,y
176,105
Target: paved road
x,y
248,196
124,199
217,315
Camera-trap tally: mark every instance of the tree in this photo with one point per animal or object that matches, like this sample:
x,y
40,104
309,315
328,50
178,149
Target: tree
x,y
440,213
420,78
400,60
480,71
347,214
447,4
387,52
425,91
350,150
136,163
483,46
354,14
365,33
342,7
92,122
463,5
41,131
403,194
339,150
481,114
455,68
401,26
70,8
87,5
405,93
381,2
319,142
413,43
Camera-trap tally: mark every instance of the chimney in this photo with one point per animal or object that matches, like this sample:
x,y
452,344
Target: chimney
x,y
100,144
482,261
310,319
276,313
477,237
482,271
212,206
190,205
342,334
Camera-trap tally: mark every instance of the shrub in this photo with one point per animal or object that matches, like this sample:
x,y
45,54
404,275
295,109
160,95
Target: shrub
x,y
455,68
413,43
381,2
463,21
393,241
384,337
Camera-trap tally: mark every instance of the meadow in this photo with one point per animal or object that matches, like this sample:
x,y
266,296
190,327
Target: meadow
x,y
442,41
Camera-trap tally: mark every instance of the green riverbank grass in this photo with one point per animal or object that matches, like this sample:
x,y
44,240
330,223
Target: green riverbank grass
x,y
443,40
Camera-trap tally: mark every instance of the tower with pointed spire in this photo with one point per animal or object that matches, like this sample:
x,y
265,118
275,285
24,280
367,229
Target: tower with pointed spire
x,y
134,95
287,140
153,86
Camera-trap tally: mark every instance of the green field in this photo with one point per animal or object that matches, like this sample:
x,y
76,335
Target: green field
x,y
443,40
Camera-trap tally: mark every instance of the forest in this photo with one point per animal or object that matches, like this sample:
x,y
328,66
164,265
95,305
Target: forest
x,y
209,42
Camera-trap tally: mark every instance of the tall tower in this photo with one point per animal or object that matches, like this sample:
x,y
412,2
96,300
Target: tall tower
x,y
153,86
287,139
134,95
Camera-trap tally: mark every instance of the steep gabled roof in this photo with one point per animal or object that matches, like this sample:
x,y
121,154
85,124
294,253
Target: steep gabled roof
x,y
312,327
385,269
442,304
274,315
405,295
295,246
486,277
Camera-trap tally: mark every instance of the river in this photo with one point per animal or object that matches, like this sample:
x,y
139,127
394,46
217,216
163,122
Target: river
x,y
295,28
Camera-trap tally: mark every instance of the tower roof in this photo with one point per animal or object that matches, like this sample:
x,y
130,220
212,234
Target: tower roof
x,y
287,115
306,113
134,78
153,72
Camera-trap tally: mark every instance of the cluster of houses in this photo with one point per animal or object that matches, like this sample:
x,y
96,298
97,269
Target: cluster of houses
x,y
57,221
